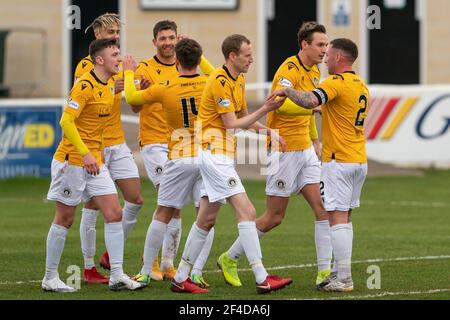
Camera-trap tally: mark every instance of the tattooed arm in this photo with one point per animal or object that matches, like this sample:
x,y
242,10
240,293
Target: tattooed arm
x,y
305,99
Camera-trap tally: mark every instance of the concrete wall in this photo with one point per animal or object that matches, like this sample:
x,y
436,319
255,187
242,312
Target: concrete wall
x,y
209,28
24,55
437,42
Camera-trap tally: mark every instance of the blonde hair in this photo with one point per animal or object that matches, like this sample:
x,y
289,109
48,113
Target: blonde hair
x,y
104,21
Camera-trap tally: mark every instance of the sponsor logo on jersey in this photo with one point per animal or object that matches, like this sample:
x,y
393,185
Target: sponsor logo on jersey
x,y
316,81
285,82
73,104
224,102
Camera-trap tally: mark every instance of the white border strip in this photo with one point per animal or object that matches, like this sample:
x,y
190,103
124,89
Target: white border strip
x,y
31,102
378,260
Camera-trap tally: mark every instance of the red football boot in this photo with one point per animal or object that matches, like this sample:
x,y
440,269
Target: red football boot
x,y
186,287
92,276
272,283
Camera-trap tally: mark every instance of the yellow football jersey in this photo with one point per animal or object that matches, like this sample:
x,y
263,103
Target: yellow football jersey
x,y
344,98
222,94
180,98
90,101
85,65
294,129
114,133
152,124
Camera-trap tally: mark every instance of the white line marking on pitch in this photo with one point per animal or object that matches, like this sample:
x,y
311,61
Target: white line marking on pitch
x,y
380,295
300,266
310,265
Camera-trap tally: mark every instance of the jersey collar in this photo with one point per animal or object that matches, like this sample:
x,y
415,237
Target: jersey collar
x,y
301,63
160,62
189,75
96,78
228,72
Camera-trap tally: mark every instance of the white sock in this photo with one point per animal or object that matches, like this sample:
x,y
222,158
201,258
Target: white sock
x,y
153,241
341,239
88,235
324,250
114,245
55,244
194,244
129,218
250,242
204,254
171,243
236,250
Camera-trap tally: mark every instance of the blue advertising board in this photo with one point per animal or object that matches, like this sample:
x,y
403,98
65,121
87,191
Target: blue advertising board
x,y
29,135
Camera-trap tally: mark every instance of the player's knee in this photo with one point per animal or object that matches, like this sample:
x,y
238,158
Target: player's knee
x,y
113,214
138,200
65,221
206,225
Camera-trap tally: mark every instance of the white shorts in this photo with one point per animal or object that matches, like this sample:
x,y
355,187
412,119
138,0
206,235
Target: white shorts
x,y
296,169
72,184
219,176
120,162
155,157
180,179
341,185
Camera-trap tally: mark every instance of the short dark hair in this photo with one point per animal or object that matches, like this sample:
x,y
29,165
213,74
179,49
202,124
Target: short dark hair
x,y
307,30
97,46
346,45
164,25
189,53
233,43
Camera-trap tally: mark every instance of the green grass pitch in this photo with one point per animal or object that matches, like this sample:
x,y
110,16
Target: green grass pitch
x,y
403,221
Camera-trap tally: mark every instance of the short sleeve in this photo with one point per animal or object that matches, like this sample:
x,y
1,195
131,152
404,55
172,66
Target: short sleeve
x,y
222,94
329,88
78,97
286,76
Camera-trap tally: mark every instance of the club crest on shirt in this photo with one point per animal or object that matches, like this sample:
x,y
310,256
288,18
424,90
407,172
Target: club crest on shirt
x,y
67,192
281,184
232,182
316,81
158,170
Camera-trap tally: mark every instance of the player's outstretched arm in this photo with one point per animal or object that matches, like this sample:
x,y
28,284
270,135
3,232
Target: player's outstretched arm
x,y
232,122
290,108
305,99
